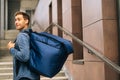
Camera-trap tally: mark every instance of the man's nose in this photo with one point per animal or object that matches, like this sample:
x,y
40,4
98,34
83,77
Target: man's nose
x,y
16,22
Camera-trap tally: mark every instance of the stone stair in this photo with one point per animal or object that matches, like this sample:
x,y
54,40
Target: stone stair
x,y
6,65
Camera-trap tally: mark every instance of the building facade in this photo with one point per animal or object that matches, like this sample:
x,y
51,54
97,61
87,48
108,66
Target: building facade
x,y
93,21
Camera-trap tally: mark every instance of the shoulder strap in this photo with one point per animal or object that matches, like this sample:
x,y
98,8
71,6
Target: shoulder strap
x,y
28,31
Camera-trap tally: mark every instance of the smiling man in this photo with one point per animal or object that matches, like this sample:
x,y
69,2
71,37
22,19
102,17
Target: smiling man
x,y
20,50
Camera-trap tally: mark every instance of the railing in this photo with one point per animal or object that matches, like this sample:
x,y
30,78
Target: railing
x,y
90,49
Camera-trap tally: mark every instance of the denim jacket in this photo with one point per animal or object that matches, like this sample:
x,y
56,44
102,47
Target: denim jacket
x,y
21,53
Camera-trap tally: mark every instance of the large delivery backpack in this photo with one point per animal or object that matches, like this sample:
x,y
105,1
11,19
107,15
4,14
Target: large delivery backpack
x,y
48,53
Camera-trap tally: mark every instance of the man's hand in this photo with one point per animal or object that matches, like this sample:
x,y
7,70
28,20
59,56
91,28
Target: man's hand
x,y
10,45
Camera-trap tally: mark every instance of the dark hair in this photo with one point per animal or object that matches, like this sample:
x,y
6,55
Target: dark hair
x,y
25,15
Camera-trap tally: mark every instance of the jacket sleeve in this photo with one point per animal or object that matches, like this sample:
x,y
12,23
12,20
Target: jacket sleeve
x,y
22,42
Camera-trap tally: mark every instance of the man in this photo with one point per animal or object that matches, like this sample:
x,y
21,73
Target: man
x,y
20,50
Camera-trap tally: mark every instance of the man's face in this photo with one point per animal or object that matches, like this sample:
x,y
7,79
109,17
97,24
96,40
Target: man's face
x,y
20,22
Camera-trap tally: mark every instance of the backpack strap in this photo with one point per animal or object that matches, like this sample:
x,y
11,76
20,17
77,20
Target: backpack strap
x,y
28,31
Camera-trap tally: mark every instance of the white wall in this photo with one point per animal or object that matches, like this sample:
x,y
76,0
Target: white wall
x,y
28,4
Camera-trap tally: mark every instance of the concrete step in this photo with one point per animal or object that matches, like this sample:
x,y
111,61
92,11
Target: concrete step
x,y
4,76
61,73
6,58
6,64
6,79
3,44
55,78
11,34
8,75
6,70
59,76
4,53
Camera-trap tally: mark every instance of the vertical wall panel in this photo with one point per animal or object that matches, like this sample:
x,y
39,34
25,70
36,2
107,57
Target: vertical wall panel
x,y
2,19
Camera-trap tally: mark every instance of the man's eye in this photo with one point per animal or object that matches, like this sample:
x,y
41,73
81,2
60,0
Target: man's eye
x,y
18,19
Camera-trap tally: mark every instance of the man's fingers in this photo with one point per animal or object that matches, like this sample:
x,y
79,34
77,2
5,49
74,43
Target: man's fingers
x,y
10,44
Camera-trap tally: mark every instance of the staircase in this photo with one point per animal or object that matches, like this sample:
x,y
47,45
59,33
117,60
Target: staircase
x,y
6,66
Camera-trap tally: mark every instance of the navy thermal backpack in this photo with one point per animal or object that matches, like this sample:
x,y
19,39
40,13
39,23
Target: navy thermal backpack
x,y
48,53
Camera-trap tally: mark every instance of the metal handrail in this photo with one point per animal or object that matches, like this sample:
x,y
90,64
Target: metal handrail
x,y
113,65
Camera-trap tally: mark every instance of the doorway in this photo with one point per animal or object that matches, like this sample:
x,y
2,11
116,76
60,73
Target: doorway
x,y
13,6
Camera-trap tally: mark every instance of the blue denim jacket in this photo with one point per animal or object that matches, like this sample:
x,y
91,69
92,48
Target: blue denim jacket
x,y
21,53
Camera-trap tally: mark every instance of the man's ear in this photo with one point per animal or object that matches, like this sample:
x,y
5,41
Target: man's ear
x,y
26,21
